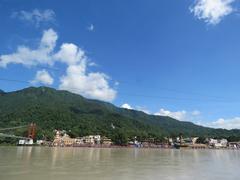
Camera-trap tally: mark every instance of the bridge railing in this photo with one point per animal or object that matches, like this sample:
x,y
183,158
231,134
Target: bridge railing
x,y
13,136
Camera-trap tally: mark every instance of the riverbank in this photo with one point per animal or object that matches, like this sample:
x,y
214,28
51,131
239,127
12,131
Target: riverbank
x,y
149,147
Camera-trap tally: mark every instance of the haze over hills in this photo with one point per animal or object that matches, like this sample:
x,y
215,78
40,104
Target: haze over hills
x,y
2,92
54,109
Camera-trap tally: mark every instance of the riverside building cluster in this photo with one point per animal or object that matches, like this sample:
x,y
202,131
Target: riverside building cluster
x,y
62,139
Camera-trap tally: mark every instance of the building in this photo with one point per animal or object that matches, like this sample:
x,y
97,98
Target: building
x,y
216,143
62,139
234,145
79,141
67,141
23,142
92,139
40,142
106,141
194,140
58,139
224,143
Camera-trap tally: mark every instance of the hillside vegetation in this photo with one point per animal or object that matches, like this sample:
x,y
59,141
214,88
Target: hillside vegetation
x,y
53,109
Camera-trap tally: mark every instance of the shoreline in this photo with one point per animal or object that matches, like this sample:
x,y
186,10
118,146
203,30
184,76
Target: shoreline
x,y
124,147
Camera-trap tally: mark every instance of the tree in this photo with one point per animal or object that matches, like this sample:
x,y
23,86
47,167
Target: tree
x,y
201,140
120,138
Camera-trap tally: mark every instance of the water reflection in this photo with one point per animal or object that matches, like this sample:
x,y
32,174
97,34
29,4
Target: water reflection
x,y
89,163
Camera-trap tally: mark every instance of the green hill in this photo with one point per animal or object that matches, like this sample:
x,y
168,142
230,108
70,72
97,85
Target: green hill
x,y
53,109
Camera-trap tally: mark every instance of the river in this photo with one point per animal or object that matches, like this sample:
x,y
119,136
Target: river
x,y
44,163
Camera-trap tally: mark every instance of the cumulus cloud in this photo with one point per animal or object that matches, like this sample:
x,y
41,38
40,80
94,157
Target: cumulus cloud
x,y
191,116
91,85
212,11
29,57
126,106
179,115
35,16
194,116
43,77
70,54
233,123
137,108
77,79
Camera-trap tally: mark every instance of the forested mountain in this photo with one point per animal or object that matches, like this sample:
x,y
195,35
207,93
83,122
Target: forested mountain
x,y
54,109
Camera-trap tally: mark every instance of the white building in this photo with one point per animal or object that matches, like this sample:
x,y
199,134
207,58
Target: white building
x,y
92,139
79,141
194,140
25,142
222,143
40,142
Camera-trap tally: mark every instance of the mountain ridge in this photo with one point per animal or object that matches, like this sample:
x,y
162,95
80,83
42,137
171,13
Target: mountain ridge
x,y
59,109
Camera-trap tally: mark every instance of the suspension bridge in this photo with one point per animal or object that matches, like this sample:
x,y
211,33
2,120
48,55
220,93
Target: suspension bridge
x,y
31,132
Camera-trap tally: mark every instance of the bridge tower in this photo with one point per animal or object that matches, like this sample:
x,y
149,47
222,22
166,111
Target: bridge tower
x,y
32,131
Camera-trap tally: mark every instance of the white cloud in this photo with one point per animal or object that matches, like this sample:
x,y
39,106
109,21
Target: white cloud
x,y
92,64
137,108
196,113
91,85
43,77
90,27
233,123
36,16
77,79
194,117
29,57
180,115
126,106
212,11
143,109
48,40
70,54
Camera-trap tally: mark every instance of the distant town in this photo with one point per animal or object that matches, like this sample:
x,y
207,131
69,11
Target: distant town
x,y
62,139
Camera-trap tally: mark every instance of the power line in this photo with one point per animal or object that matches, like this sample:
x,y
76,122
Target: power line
x,y
137,85
138,95
173,90
148,87
14,80
176,98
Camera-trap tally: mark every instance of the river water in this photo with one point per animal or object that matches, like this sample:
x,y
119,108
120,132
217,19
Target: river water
x,y
43,163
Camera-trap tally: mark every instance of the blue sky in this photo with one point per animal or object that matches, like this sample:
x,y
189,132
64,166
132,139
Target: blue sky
x,y
176,58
